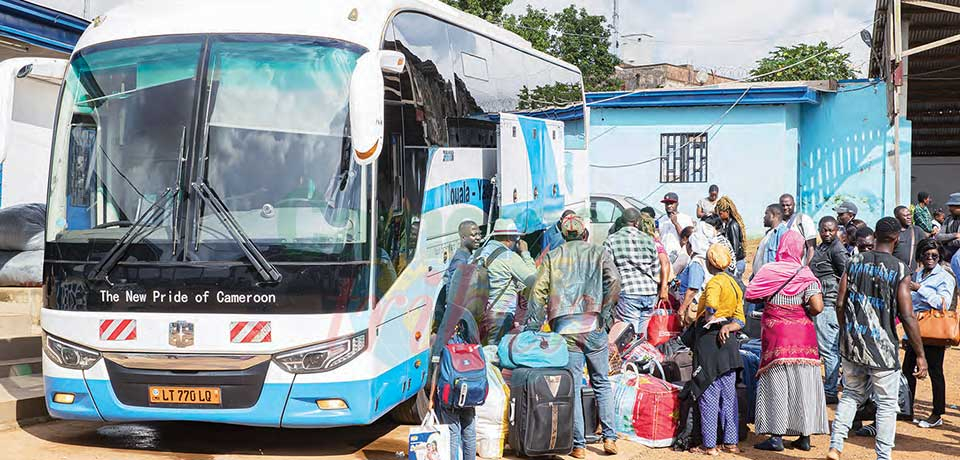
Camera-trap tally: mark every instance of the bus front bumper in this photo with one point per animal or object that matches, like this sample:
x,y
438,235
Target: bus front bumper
x,y
285,400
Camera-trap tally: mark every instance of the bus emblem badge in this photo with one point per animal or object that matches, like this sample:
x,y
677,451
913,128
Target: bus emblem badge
x,y
181,334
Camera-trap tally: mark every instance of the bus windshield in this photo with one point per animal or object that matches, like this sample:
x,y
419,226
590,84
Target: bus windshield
x,y
270,139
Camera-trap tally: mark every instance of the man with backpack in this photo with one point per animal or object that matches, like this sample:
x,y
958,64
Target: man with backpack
x,y
459,380
511,271
577,286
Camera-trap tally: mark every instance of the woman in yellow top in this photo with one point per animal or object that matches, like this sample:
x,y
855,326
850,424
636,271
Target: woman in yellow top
x,y
716,356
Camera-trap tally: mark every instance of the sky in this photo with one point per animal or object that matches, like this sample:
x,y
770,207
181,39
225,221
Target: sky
x,y
729,36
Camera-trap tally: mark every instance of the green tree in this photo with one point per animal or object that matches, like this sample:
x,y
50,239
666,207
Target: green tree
x,y
583,39
572,35
535,26
491,10
829,64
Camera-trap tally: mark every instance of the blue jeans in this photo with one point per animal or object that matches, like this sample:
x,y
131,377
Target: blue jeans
x,y
858,383
636,310
828,340
598,366
463,430
741,268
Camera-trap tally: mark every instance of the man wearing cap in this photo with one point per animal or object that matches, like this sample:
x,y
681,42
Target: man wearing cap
x,y
846,212
949,234
921,213
511,271
671,224
577,286
635,254
707,206
552,236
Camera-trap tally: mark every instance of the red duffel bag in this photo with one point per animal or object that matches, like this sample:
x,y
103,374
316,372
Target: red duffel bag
x,y
656,412
664,325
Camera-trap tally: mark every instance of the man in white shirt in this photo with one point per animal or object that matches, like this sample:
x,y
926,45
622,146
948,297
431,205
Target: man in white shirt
x,y
800,222
671,224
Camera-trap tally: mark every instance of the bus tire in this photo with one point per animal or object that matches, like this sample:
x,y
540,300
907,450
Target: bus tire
x,y
413,410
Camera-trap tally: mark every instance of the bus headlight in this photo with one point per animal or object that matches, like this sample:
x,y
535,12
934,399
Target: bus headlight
x,y
322,357
68,355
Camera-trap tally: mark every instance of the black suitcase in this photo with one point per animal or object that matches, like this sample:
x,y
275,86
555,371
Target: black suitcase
x,y
541,411
591,415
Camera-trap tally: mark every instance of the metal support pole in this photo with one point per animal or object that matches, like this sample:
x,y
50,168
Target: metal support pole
x,y
898,61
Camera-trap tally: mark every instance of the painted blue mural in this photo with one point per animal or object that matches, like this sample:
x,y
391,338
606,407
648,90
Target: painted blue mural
x,y
846,153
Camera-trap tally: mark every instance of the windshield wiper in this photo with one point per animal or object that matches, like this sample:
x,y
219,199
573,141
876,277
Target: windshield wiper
x,y
140,228
267,271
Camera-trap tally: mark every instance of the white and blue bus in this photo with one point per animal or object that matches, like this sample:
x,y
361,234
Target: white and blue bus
x,y
251,204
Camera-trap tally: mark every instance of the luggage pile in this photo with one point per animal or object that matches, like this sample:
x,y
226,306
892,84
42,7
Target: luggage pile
x,y
541,393
21,245
647,385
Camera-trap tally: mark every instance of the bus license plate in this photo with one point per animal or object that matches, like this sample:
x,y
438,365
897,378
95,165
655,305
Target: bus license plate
x,y
184,395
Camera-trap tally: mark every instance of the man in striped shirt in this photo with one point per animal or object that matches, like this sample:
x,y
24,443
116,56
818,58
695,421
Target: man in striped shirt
x,y
635,255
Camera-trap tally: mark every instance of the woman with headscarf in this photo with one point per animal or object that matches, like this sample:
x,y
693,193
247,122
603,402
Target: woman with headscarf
x,y
695,276
649,226
716,355
790,398
733,229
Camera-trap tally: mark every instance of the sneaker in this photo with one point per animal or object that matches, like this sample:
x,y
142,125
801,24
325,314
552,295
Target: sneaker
x,y
932,422
579,452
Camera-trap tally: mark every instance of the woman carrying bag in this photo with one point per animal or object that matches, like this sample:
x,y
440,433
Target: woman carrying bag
x,y
932,288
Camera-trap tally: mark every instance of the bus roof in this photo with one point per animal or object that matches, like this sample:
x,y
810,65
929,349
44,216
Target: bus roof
x,y
146,18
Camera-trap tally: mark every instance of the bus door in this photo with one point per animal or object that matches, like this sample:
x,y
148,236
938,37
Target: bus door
x,y
530,156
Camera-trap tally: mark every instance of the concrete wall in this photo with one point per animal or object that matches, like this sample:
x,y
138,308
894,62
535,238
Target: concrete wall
x,y
752,157
844,142
938,176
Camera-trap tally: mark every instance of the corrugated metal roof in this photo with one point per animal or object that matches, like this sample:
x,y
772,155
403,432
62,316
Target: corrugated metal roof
x,y
932,77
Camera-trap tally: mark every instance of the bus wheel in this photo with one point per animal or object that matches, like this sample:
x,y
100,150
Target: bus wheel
x,y
413,410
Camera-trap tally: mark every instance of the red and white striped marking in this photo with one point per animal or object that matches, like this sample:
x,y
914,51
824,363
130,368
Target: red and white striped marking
x,y
250,331
118,329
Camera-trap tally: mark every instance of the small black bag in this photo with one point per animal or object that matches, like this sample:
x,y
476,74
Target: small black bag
x,y
591,415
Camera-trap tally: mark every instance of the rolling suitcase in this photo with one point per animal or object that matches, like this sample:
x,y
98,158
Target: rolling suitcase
x,y
541,411
591,415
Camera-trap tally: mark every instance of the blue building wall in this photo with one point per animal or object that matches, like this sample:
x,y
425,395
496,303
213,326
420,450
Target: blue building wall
x,y
752,157
821,150
844,146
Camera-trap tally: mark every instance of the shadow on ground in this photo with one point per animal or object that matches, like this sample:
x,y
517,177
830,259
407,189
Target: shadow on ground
x,y
198,441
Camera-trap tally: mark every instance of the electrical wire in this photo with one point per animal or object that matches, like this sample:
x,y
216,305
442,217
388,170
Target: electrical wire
x,y
858,88
705,131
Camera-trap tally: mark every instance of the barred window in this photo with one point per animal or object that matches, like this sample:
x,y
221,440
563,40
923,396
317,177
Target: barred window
x,y
683,157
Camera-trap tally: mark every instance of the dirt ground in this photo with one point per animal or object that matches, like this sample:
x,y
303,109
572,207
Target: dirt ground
x,y
62,440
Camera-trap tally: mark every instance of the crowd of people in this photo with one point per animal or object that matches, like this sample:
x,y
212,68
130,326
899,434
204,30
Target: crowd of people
x,y
827,296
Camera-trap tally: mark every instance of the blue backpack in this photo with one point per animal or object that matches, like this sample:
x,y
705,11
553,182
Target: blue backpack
x,y
462,380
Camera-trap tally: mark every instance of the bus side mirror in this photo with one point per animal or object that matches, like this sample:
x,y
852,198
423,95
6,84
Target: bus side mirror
x,y
366,108
366,102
